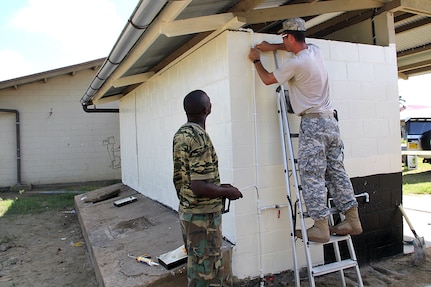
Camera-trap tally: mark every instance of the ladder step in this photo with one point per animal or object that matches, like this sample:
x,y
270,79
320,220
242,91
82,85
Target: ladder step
x,y
332,267
332,239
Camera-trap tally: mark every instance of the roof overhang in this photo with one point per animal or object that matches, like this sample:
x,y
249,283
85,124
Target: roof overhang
x,y
160,33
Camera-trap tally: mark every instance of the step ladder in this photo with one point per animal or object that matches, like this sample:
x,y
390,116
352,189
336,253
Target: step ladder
x,y
297,207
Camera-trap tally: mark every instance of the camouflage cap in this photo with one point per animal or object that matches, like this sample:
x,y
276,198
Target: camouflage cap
x,y
293,24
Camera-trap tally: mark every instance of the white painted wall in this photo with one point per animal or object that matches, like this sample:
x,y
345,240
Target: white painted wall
x,y
244,129
60,143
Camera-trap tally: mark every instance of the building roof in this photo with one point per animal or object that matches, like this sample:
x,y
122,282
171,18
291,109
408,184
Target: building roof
x,y
45,76
160,33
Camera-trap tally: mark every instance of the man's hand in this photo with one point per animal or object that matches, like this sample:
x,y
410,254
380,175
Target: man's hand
x,y
265,47
254,54
232,192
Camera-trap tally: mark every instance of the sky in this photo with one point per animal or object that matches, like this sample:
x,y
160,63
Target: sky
x,y
416,90
41,35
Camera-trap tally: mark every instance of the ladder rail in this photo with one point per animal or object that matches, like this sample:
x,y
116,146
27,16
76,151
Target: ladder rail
x,y
288,189
286,138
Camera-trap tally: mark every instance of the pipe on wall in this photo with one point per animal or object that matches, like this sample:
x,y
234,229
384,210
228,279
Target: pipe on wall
x,y
18,142
87,110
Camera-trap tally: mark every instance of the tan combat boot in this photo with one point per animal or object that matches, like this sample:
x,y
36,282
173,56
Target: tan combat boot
x,y
351,224
319,232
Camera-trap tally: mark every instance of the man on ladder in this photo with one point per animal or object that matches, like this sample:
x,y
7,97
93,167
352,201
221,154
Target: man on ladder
x,y
320,156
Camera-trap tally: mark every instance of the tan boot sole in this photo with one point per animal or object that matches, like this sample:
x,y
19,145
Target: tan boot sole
x,y
346,232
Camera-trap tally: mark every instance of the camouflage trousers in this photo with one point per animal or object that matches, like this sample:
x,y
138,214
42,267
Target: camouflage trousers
x,y
320,162
202,237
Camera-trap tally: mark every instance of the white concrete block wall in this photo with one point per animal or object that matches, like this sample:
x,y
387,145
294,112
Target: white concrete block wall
x,y
60,143
244,128
363,82
129,150
159,114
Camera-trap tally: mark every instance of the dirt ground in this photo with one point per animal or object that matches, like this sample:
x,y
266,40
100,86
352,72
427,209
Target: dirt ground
x,y
48,249
44,250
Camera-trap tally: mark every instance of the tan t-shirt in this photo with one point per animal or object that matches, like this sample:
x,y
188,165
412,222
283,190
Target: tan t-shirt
x,y
307,79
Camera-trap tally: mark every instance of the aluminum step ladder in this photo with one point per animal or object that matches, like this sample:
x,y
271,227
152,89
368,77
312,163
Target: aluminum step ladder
x,y
292,181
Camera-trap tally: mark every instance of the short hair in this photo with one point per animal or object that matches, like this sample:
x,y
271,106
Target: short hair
x,y
194,102
298,35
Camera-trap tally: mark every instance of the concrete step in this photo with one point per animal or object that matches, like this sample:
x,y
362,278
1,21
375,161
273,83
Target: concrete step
x,y
141,227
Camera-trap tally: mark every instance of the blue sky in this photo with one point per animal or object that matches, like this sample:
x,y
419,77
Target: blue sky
x,y
40,35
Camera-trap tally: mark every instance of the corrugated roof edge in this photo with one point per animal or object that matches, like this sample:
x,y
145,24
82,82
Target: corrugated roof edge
x,y
43,76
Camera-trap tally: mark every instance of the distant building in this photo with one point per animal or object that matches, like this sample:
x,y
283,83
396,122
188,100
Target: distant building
x,y
46,136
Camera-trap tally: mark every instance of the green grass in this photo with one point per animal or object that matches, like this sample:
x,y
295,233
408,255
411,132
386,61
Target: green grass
x,y
35,203
13,203
417,181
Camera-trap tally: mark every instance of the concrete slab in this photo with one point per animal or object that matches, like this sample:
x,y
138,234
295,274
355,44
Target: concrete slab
x,y
141,227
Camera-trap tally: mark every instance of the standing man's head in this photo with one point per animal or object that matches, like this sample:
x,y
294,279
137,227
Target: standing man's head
x,y
293,30
197,106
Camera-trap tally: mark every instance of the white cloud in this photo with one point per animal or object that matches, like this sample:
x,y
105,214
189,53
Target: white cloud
x,y
15,63
84,29
64,32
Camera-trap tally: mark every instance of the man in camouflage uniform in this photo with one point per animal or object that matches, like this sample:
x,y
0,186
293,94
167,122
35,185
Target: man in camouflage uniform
x,y
200,194
320,157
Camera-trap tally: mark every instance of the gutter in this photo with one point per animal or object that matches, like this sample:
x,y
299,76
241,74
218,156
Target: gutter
x,y
18,143
144,13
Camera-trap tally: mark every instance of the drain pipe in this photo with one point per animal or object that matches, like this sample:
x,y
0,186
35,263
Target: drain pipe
x,y
256,138
87,110
18,143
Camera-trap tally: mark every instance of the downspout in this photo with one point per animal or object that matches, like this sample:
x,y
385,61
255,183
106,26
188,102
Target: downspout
x,y
18,143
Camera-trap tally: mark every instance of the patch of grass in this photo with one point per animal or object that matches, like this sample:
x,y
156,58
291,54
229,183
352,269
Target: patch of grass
x,y
5,204
36,203
417,181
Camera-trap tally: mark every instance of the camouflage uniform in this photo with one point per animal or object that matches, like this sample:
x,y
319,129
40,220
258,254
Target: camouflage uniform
x,y
320,161
195,159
